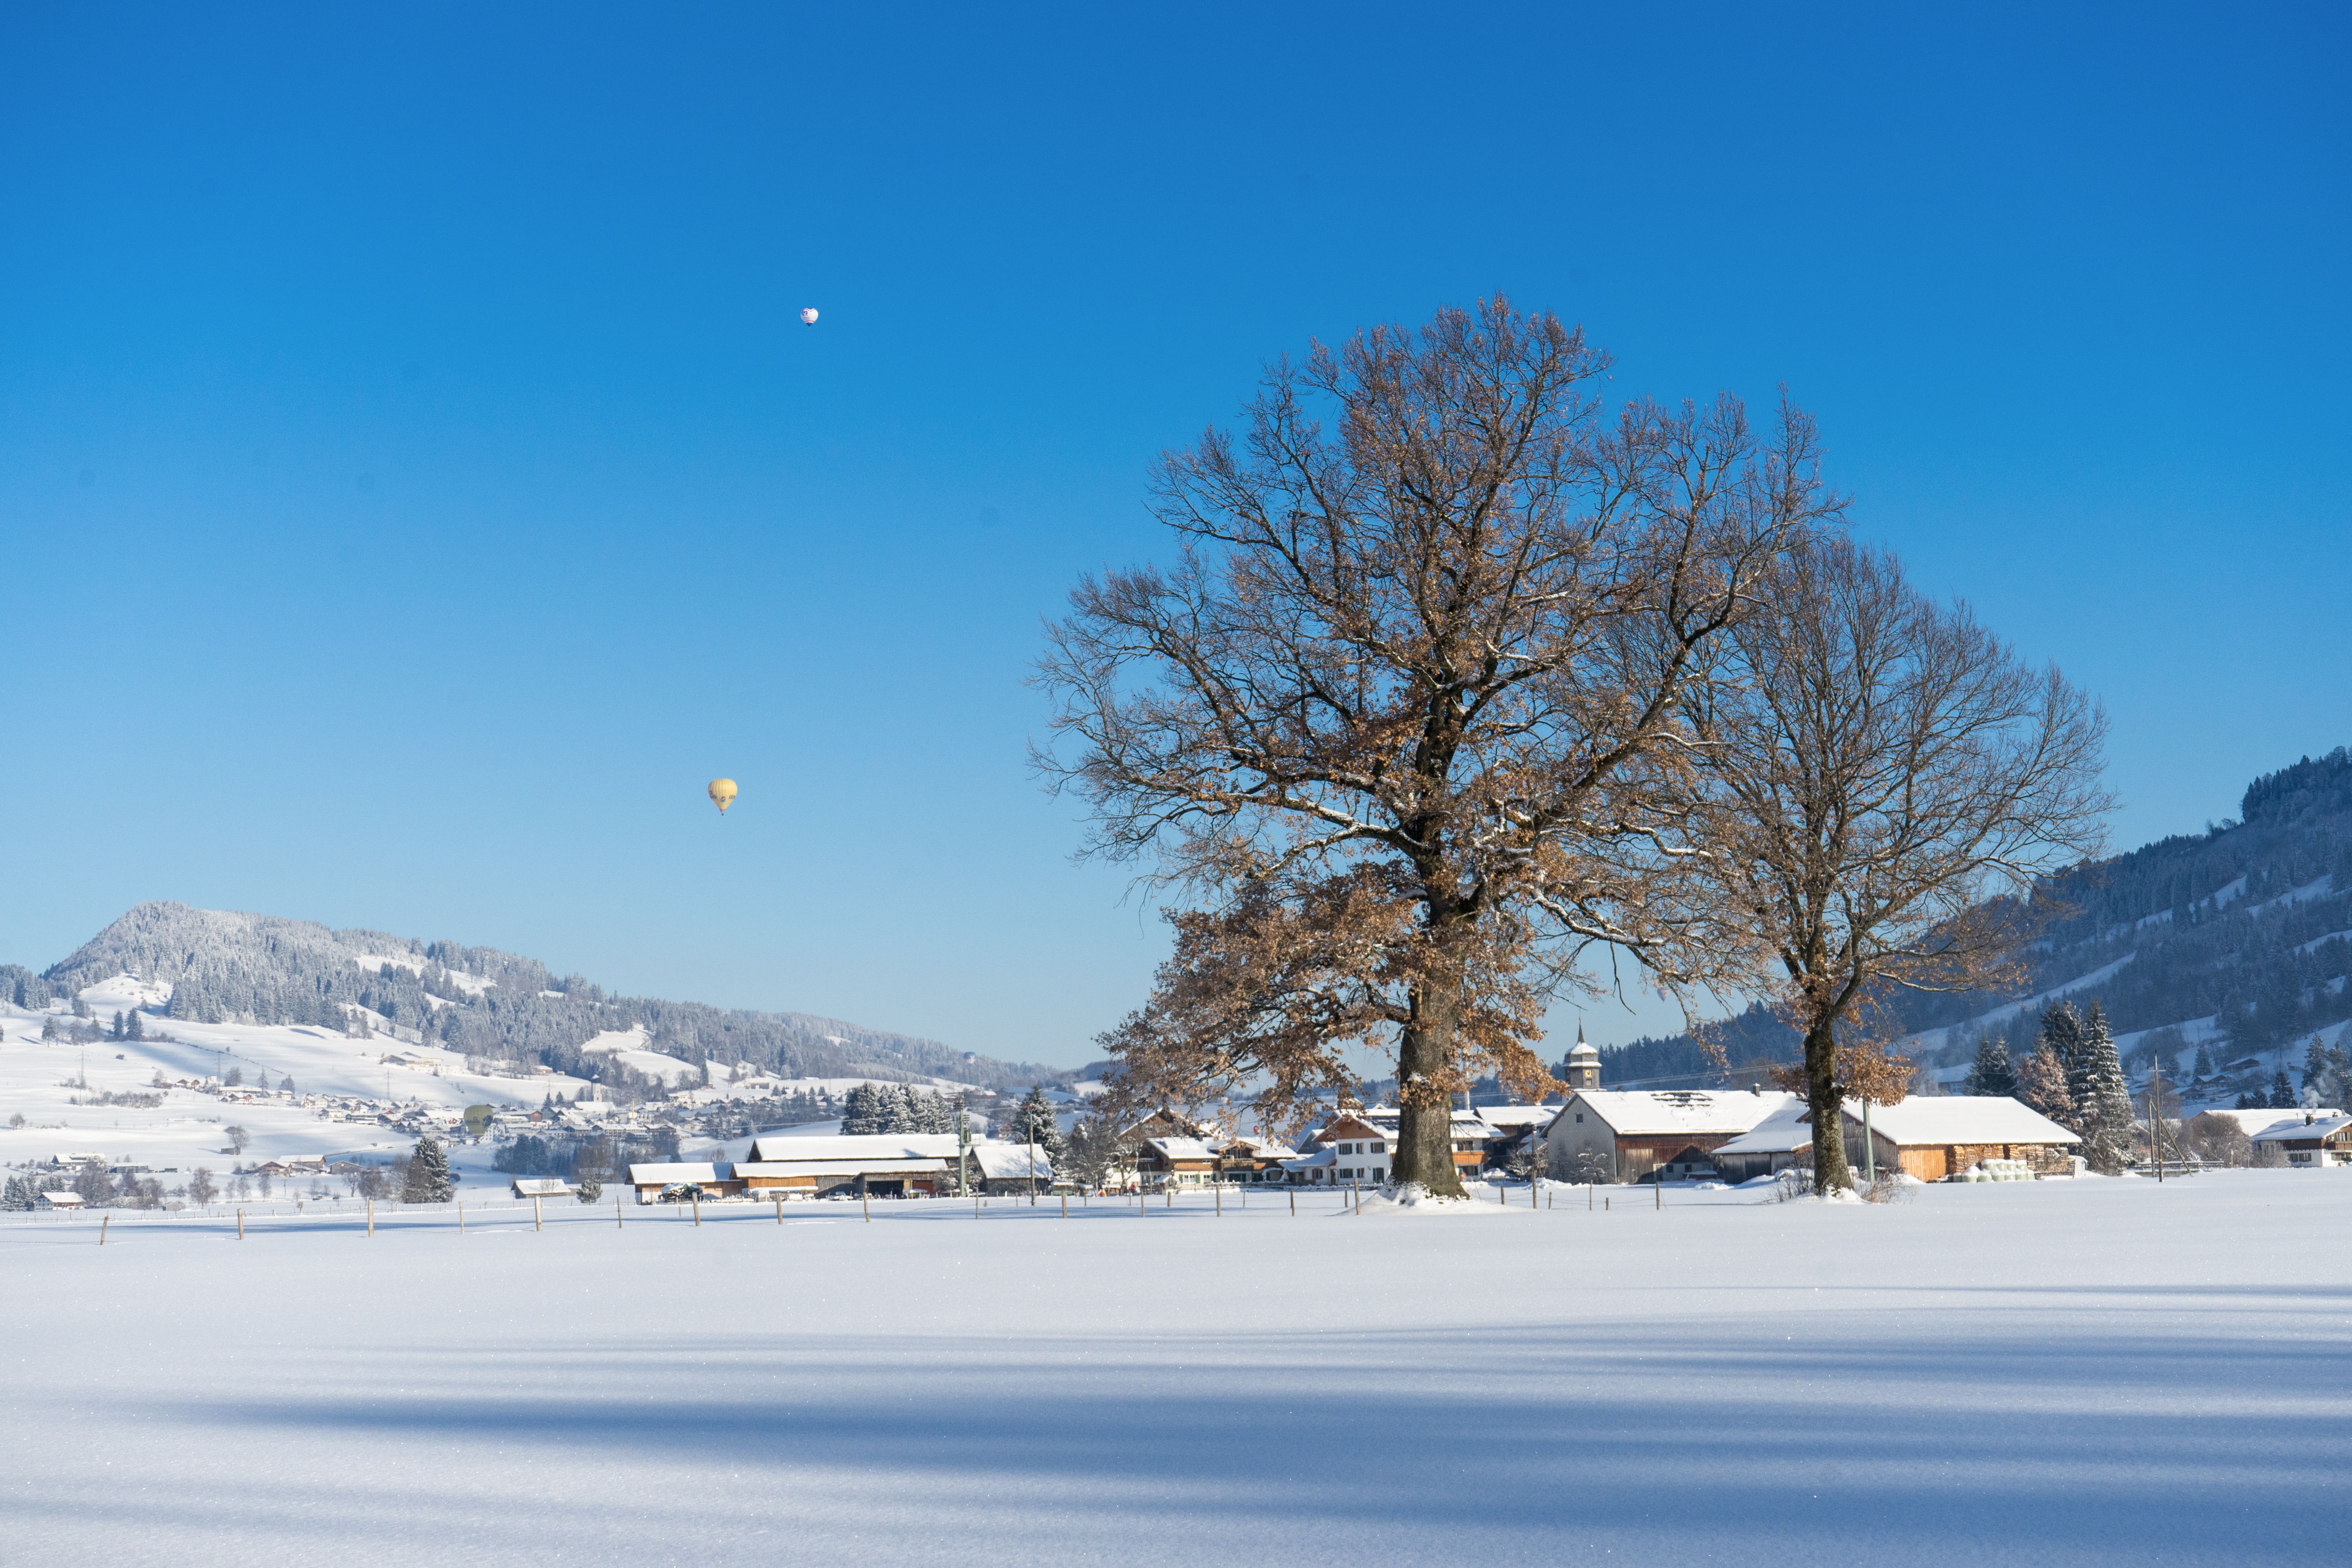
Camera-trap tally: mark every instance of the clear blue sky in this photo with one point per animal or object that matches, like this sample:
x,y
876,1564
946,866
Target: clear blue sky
x,y
415,485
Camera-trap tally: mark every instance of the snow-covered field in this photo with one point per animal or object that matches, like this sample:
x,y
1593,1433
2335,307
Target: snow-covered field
x,y
2096,1372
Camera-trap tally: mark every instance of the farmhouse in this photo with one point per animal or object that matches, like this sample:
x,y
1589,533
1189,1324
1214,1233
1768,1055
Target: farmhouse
x,y
887,1165
2312,1139
1631,1135
717,1181
1932,1137
1179,1162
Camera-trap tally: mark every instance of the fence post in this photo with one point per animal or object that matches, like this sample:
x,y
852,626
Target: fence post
x,y
616,1210
1066,1205
104,1220
698,1208
536,1219
865,1203
461,1216
1221,1199
780,1208
240,1226
1294,1203
371,1218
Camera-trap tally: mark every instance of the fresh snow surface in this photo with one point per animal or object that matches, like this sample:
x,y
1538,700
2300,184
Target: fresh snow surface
x,y
2055,1372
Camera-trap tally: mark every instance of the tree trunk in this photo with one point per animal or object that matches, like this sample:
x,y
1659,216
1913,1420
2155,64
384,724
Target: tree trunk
x,y
1830,1173
1425,1151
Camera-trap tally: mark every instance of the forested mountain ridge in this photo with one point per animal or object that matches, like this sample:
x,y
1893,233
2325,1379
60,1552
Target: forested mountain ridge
x,y
2239,938
224,965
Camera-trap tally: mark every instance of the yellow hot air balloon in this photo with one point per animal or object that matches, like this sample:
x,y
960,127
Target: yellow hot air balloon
x,y
722,794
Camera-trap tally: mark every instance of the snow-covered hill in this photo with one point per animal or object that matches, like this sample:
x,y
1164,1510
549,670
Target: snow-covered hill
x,y
216,966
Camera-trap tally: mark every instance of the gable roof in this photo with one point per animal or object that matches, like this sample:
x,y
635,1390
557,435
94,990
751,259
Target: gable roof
x,y
2321,1125
1960,1119
1789,1129
1676,1113
775,1148
2262,1120
674,1173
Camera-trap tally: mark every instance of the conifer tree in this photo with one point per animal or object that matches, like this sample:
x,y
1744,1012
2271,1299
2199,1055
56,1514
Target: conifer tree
x,y
116,1032
133,1029
2204,1067
2281,1095
1034,1118
894,1109
2102,1107
2042,1084
859,1111
1992,1074
429,1174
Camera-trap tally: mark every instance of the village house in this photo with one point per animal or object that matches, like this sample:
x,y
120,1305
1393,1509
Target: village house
x,y
1179,1162
1632,1135
2312,1139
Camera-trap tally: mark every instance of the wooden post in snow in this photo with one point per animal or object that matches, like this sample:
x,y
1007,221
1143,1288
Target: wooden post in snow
x,y
371,1203
1294,1203
538,1220
864,1202
240,1226
104,1220
461,1216
698,1208
1221,1198
780,1208
1066,1205
616,1209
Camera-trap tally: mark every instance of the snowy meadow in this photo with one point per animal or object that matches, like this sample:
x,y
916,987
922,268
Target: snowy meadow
x,y
2081,1372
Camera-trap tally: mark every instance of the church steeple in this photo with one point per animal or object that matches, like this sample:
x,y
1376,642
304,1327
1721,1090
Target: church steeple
x,y
1582,1069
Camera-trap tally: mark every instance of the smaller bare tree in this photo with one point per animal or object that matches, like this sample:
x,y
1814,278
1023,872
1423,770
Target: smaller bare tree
x,y
1890,782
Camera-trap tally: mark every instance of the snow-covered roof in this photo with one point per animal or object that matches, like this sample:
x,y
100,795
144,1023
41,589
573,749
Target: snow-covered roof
x,y
2262,1120
1785,1131
2295,1126
748,1169
772,1146
673,1173
1315,1161
1675,1113
1962,1118
1183,1148
544,1186
1010,1162
1513,1117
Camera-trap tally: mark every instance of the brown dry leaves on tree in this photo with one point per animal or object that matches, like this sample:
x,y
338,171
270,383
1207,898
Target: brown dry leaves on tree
x,y
1403,722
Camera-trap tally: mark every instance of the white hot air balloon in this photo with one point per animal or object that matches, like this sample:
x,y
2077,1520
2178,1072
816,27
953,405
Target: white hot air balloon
x,y
808,315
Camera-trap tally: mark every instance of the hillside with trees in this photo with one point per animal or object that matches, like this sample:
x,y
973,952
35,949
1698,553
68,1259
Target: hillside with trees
x,y
2224,952
224,966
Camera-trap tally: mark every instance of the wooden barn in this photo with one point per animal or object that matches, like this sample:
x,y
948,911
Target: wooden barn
x,y
1933,1137
1635,1135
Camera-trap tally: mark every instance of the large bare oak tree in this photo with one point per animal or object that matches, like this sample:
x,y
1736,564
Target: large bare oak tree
x,y
1403,722
1889,783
